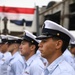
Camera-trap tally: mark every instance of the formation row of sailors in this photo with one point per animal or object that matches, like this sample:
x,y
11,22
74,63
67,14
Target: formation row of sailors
x,y
27,55
18,55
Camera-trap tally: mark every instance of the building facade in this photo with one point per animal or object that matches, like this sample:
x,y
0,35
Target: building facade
x,y
63,13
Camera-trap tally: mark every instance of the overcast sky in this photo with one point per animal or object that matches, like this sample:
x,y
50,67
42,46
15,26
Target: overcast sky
x,y
26,3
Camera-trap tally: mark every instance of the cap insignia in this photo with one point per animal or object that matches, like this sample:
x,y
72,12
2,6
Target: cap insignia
x,y
58,34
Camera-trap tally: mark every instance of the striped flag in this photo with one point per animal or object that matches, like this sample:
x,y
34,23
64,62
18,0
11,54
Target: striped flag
x,y
17,17
17,12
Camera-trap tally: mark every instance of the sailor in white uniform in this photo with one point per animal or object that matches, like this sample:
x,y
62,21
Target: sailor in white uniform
x,y
54,41
1,54
28,48
16,63
69,55
6,56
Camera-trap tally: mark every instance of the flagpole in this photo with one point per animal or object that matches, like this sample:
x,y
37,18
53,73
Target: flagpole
x,y
24,25
37,20
0,25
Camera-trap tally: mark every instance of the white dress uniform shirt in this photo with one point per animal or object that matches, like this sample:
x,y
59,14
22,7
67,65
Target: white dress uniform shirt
x,y
33,66
1,55
16,65
59,67
70,58
45,62
4,63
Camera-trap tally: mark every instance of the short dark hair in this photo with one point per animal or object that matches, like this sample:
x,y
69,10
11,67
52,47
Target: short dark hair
x,y
65,43
33,44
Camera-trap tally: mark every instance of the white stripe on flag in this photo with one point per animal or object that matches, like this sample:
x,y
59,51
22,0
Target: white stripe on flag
x,y
14,16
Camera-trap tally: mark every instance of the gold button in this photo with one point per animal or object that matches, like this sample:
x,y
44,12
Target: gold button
x,y
32,41
58,34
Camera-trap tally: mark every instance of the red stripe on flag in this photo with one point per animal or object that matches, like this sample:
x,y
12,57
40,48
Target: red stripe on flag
x,y
17,10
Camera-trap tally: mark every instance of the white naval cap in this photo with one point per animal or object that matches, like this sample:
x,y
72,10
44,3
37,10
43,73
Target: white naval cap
x,y
0,40
51,28
2,36
3,39
72,44
13,39
30,37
